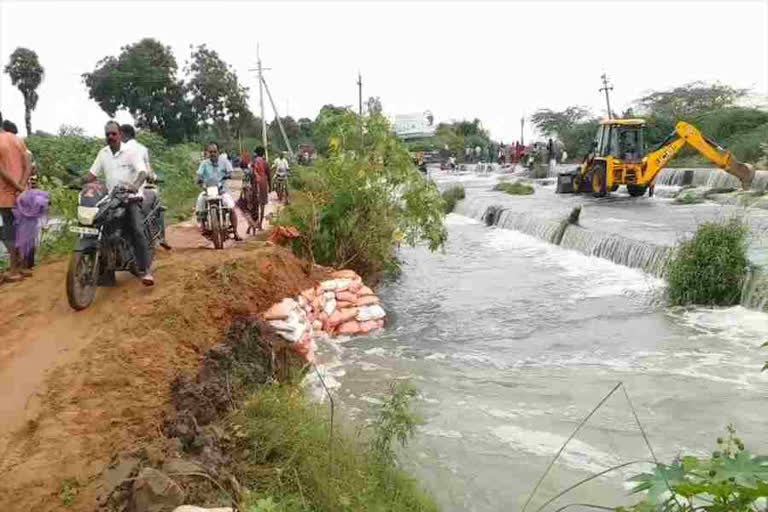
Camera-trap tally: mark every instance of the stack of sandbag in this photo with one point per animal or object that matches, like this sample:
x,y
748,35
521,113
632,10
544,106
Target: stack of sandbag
x,y
341,305
290,322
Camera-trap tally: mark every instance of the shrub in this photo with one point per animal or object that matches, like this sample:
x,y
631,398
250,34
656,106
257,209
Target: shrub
x,y
289,465
710,268
688,198
516,188
452,196
731,480
353,207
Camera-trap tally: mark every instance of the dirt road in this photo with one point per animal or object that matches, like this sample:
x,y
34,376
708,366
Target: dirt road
x,y
79,387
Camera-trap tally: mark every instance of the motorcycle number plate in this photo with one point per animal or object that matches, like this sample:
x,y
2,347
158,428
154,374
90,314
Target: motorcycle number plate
x,y
84,231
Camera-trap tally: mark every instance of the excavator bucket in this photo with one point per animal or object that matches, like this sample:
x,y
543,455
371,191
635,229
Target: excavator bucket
x,y
744,172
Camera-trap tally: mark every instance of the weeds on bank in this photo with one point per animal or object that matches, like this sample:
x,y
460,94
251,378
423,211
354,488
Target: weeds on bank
x,y
711,267
731,480
290,464
452,196
515,188
688,199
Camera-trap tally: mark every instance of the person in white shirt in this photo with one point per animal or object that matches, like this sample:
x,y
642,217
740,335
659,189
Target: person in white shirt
x,y
151,192
281,176
119,165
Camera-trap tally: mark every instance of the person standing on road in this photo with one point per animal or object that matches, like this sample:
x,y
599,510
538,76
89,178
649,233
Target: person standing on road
x,y
281,176
151,192
261,185
119,165
14,173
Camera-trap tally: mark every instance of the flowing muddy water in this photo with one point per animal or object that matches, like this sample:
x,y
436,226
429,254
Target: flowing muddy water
x,y
512,341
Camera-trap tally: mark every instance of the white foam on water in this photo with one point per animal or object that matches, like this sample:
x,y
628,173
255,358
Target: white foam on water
x,y
371,400
578,454
436,356
738,325
454,219
438,432
600,277
376,351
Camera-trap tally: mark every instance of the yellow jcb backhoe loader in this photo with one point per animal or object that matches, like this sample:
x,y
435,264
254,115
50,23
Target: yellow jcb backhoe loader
x,y
617,159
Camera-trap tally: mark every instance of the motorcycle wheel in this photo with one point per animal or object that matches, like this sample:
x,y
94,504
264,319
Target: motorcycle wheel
x,y
80,286
217,235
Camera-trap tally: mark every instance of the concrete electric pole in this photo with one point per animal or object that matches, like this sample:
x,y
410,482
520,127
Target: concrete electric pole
x,y
607,88
360,92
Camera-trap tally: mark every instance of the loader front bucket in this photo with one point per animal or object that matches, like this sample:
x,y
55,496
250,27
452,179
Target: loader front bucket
x,y
744,172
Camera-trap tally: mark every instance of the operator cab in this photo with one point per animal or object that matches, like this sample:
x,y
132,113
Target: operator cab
x,y
621,139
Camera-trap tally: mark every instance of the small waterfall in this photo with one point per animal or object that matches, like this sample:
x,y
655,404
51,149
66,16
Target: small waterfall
x,y
649,257
707,177
528,224
754,295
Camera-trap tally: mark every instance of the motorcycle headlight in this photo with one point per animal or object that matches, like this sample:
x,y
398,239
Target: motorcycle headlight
x,y
86,214
212,192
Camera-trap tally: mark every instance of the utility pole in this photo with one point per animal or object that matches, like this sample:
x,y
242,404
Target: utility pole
x,y
260,71
277,116
360,92
522,126
606,88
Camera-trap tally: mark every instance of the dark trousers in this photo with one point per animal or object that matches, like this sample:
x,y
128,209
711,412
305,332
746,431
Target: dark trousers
x,y
140,242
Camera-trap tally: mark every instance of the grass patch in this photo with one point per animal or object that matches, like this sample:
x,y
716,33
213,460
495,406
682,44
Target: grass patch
x,y
452,196
68,491
515,188
287,463
688,199
710,268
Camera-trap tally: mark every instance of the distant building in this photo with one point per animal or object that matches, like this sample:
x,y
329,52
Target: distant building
x,y
413,126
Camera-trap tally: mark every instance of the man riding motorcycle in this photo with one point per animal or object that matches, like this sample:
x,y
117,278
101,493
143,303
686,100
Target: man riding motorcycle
x,y
212,172
119,165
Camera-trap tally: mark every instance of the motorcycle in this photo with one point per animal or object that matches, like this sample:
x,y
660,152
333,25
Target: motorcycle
x,y
103,248
217,218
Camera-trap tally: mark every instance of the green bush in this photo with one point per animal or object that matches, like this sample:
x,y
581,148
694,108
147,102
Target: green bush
x,y
452,196
353,207
516,188
731,480
688,198
710,268
288,464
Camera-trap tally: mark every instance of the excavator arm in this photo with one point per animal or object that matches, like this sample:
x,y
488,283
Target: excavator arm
x,y
687,134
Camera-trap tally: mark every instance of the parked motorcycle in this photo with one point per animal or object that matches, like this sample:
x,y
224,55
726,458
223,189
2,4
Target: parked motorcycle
x,y
217,218
103,246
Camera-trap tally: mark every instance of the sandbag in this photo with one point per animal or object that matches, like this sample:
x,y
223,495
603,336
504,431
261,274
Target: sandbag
x,y
364,291
309,294
372,312
346,296
347,314
370,325
281,310
317,325
355,286
335,284
367,300
330,306
350,328
302,302
344,274
342,304
334,319
304,348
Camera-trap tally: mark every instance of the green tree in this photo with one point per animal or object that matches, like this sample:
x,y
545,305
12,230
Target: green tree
x,y
689,99
216,93
142,80
574,127
68,130
26,73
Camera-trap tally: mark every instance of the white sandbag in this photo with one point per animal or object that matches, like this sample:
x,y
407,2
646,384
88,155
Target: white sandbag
x,y
295,335
335,284
302,301
372,312
329,295
330,306
293,327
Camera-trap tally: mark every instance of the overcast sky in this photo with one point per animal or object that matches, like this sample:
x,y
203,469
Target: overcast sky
x,y
496,61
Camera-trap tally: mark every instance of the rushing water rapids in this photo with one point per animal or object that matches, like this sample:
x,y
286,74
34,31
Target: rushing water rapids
x,y
512,340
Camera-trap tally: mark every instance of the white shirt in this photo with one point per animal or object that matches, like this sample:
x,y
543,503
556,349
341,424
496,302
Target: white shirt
x,y
282,164
123,166
143,154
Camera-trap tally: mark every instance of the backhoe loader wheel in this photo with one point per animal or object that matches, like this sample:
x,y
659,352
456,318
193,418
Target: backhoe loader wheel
x,y
576,183
598,182
636,190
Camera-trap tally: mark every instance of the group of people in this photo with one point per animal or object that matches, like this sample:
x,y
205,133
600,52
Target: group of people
x,y
23,207
258,182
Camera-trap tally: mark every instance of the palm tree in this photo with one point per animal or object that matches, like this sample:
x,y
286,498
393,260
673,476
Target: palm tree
x,y
26,74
